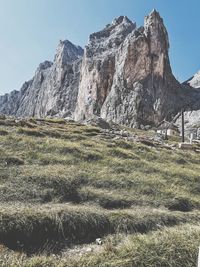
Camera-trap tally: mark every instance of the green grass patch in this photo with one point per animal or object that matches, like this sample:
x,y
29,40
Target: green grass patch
x,y
72,183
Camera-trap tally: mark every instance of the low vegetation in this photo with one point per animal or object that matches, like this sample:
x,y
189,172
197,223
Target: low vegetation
x,y
63,184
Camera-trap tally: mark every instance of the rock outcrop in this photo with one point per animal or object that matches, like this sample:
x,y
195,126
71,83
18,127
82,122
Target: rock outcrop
x,y
192,107
123,76
9,103
52,91
194,82
126,75
99,67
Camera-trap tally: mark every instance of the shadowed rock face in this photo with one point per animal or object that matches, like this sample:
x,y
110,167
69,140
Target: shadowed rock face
x,y
52,91
123,75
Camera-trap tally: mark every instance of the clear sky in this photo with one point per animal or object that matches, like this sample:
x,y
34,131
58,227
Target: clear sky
x,y
31,29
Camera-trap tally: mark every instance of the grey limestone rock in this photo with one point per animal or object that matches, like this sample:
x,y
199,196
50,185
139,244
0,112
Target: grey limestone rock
x,y
126,74
123,76
99,67
52,91
194,81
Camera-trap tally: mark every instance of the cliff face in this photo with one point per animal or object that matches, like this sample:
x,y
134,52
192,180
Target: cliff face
x,y
192,106
126,74
52,91
9,103
99,67
194,82
123,75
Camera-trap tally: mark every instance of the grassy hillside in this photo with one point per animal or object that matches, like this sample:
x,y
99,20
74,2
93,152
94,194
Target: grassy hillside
x,y
62,185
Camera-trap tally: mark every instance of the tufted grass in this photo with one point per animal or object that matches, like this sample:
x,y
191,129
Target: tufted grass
x,y
50,227
65,183
170,247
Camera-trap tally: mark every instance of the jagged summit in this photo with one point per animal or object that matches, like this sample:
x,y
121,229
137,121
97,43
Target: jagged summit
x,y
67,52
126,74
52,91
121,19
119,26
45,65
152,18
99,66
195,80
154,13
156,31
123,75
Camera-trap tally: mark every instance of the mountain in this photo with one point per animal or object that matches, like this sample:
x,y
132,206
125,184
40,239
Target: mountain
x,y
126,74
123,75
52,91
194,81
192,110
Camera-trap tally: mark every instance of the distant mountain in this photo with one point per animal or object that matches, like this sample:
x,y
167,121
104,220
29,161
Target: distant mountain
x,y
52,91
123,75
195,80
192,110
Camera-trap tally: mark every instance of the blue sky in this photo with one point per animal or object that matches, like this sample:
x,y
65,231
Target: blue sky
x,y
31,29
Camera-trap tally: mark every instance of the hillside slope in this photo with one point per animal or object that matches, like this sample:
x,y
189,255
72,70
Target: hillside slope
x,y
64,184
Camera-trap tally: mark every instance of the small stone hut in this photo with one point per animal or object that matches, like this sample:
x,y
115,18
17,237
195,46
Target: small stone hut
x,y
168,129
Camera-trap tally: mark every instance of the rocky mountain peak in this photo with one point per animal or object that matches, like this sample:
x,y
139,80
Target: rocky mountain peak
x,y
121,20
118,26
153,18
123,75
53,89
126,74
195,80
156,32
45,65
110,37
99,66
67,52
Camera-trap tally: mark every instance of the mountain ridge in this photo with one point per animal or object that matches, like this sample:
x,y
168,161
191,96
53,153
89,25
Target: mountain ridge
x,y
123,75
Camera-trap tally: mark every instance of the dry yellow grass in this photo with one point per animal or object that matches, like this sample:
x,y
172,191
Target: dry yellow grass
x,y
66,183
